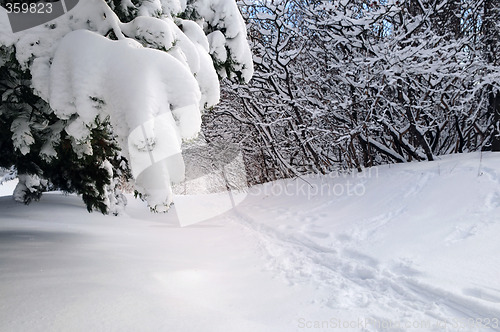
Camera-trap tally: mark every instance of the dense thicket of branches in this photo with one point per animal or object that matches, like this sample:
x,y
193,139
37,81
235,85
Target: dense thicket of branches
x,y
354,83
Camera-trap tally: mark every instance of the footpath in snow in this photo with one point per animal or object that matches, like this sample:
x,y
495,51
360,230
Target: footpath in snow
x,y
396,248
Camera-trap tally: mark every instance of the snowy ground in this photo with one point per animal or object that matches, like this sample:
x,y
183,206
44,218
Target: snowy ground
x,y
397,248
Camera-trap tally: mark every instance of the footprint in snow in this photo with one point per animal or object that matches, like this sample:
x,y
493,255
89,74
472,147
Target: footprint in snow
x,y
318,235
461,233
482,294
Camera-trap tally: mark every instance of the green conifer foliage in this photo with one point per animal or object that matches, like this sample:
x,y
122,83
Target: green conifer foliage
x,y
33,140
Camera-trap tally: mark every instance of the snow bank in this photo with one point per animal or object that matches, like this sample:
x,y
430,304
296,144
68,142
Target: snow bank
x,y
402,243
396,248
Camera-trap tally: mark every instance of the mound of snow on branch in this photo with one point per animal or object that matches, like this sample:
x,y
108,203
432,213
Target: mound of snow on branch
x,y
152,83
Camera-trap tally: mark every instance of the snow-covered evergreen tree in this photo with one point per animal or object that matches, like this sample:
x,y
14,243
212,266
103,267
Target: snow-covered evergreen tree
x,y
110,90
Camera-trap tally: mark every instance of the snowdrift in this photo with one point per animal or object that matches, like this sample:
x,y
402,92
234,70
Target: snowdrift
x,y
396,248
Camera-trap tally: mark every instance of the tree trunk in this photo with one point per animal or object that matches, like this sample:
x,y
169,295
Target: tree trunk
x,y
490,46
494,108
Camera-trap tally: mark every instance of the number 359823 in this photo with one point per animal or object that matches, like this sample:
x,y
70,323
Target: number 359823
x,y
28,8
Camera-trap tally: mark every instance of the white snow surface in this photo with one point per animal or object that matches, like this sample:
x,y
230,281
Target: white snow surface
x,y
396,248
